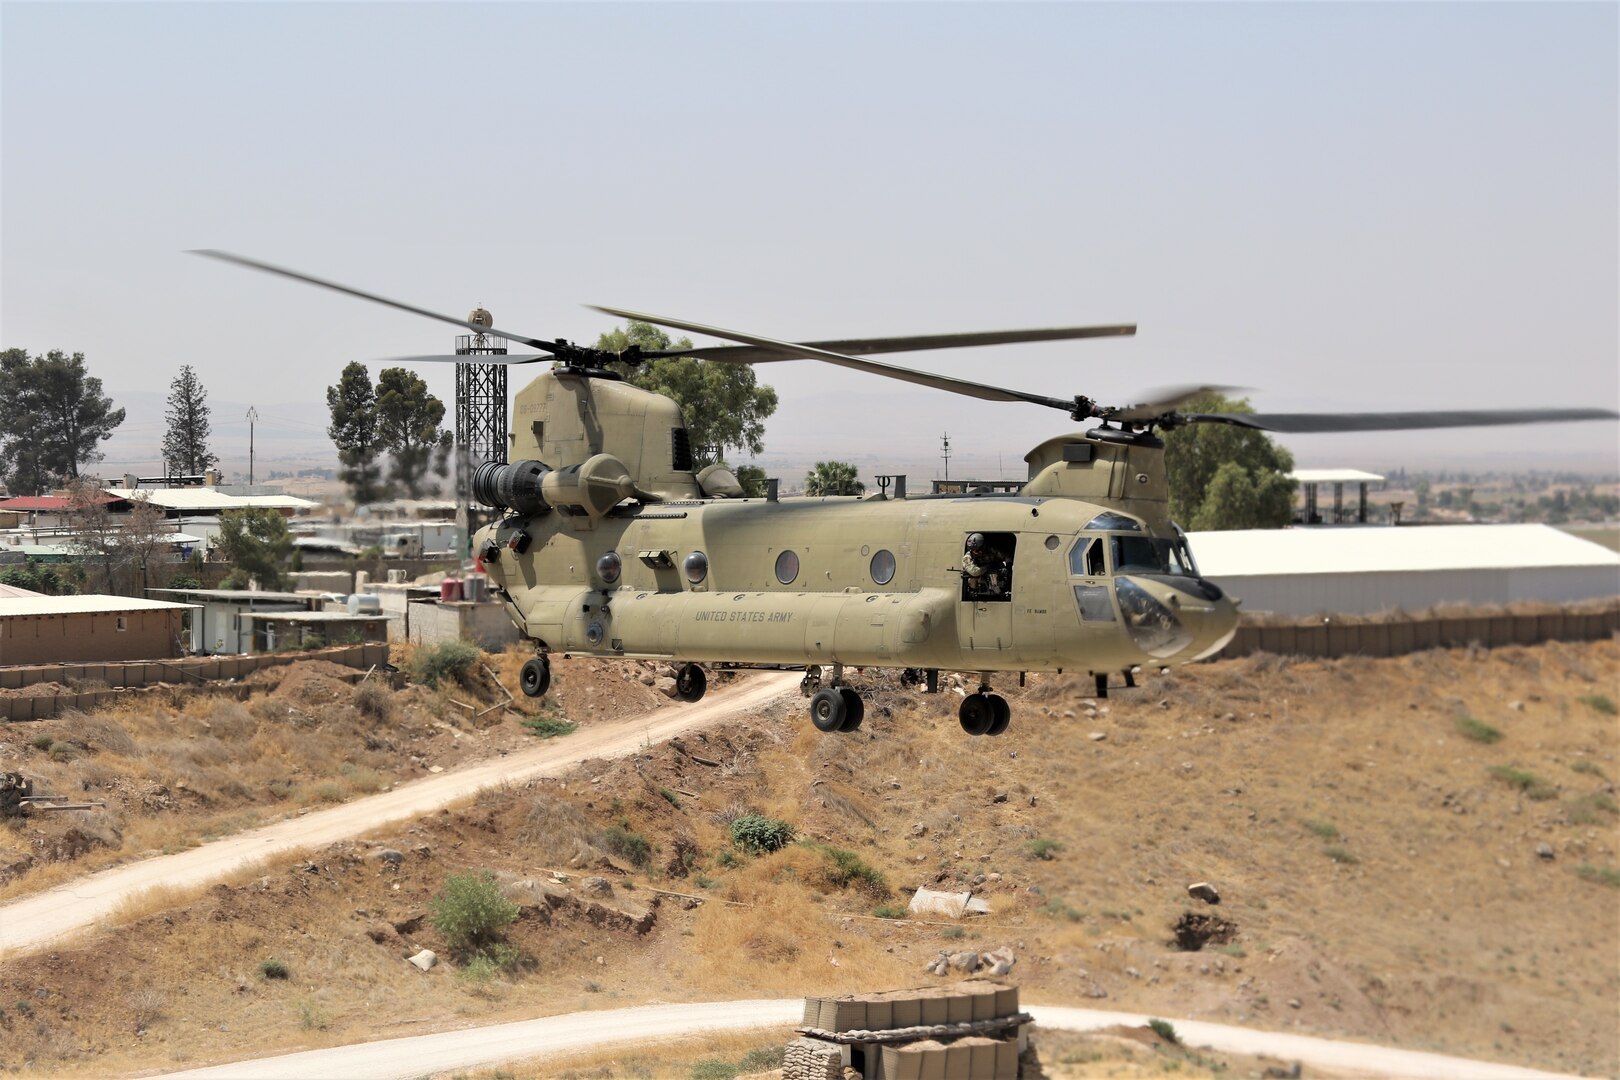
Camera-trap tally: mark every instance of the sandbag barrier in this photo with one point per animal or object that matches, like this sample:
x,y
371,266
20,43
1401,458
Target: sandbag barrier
x,y
1328,637
191,671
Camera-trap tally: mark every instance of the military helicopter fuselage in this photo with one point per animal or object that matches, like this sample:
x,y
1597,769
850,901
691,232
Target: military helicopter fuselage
x,y
614,547
612,543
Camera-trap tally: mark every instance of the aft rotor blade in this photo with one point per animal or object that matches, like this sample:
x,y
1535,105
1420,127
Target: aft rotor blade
x,y
468,358
913,343
309,279
788,350
1310,423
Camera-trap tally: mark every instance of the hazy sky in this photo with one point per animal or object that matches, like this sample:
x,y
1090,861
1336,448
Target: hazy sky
x,y
1337,205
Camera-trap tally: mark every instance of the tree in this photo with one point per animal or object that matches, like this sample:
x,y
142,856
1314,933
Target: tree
x,y
185,445
354,431
408,427
723,404
53,418
256,543
752,478
833,478
1253,489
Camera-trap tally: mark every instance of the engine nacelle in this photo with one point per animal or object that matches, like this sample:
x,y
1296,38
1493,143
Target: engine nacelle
x,y
592,487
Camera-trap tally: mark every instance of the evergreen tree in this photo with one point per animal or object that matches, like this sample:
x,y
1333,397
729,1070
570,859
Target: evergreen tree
x,y
722,404
185,444
1223,476
354,431
53,418
256,543
408,420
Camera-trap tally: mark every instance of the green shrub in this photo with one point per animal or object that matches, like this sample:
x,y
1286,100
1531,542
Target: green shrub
x,y
954,933
311,1017
632,846
728,860
1528,782
890,911
374,701
1589,809
1043,849
41,741
448,660
850,869
670,797
1588,768
763,1059
185,581
273,969
549,727
1599,875
1603,703
1061,909
760,835
1478,730
1324,829
713,1069
1340,855
470,912
1165,1030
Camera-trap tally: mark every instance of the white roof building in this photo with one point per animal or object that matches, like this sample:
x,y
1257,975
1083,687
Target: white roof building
x,y
204,500
1364,570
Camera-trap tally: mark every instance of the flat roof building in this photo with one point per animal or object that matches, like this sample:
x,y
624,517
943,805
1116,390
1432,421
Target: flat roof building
x,y
219,627
67,629
1361,571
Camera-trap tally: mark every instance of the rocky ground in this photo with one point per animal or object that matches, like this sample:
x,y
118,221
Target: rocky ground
x,y
1419,851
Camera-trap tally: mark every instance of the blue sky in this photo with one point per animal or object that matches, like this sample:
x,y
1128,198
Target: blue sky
x,y
1337,205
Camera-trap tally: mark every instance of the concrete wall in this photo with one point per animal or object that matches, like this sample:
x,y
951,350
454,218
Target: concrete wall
x,y
1364,594
132,635
486,625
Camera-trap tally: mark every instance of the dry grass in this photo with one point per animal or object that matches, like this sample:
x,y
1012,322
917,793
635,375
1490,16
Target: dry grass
x,y
672,1059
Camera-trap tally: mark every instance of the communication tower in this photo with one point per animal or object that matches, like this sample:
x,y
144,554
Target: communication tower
x,y
480,418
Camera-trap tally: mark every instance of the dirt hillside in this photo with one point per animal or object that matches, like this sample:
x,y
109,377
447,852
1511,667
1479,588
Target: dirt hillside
x,y
1419,851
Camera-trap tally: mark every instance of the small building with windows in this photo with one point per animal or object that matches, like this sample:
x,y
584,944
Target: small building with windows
x,y
219,626
71,629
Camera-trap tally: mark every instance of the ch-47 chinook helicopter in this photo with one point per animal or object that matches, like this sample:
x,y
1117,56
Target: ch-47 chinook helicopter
x,y
614,544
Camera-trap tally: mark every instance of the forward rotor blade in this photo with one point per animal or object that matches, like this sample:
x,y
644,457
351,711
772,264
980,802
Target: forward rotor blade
x,y
1310,423
912,343
1166,399
309,279
468,358
787,350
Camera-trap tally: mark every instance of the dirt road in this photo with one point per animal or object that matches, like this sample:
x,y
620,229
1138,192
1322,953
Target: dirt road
x,y
424,1055
35,920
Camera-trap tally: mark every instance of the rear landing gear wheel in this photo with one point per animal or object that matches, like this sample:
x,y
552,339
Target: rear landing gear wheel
x,y
977,715
827,710
536,677
1002,713
690,683
854,709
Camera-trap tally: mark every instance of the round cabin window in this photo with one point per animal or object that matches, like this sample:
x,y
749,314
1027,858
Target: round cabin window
x,y
883,566
697,567
787,567
608,567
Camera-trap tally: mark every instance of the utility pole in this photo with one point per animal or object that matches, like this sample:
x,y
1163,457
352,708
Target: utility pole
x,y
945,441
252,418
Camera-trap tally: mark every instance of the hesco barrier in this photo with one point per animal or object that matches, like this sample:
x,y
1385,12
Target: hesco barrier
x,y
1327,636
190,670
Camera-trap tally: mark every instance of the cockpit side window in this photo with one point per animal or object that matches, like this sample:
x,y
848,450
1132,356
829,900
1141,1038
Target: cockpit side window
x,y
1094,560
1086,557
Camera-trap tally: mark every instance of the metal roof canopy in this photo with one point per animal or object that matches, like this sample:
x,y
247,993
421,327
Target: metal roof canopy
x,y
1409,548
208,499
1334,476
245,594
310,616
82,605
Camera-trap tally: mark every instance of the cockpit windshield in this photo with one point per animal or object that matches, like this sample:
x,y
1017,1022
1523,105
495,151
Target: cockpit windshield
x,y
1153,555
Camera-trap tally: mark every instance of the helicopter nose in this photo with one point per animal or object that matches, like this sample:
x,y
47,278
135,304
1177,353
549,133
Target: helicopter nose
x,y
1211,622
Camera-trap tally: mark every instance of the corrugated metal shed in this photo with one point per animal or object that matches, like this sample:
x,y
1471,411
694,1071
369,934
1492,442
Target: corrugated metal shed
x,y
74,605
1363,570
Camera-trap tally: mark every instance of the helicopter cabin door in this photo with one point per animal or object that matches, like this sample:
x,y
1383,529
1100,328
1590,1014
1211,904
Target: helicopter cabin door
x,y
985,617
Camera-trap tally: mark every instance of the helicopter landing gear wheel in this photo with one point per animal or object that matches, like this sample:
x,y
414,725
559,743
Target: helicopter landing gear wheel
x,y
854,709
1002,713
536,677
828,711
690,683
977,715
